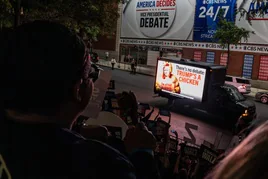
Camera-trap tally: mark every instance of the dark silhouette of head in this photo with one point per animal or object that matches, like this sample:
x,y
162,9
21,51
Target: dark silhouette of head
x,y
43,66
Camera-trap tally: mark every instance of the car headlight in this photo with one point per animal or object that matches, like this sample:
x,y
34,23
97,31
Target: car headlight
x,y
245,113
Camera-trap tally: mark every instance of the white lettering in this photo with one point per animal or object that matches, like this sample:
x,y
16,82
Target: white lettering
x,y
161,22
214,1
146,4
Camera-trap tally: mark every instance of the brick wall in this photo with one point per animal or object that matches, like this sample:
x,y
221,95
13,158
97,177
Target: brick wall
x,y
105,43
188,53
236,60
235,67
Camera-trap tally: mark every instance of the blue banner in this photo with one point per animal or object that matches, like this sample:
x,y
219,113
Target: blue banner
x,y
210,57
247,67
206,16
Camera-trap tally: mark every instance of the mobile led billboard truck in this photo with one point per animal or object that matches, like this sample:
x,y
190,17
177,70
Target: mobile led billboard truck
x,y
186,79
201,85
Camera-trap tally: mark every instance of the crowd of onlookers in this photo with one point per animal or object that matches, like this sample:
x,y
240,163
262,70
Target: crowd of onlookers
x,y
46,83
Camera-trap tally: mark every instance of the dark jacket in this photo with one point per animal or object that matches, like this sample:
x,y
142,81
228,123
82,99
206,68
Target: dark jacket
x,y
32,151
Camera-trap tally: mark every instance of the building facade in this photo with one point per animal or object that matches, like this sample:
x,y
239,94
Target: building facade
x,y
185,28
110,43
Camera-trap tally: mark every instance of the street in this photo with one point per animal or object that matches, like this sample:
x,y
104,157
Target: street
x,y
191,126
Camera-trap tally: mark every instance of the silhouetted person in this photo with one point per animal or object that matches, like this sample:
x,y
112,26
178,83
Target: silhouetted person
x,y
45,85
133,67
113,62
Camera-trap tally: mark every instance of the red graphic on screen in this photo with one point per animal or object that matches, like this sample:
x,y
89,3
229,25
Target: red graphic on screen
x,y
168,80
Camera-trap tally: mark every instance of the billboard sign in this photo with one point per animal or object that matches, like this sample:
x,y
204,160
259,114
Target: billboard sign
x,y
180,80
262,49
206,16
161,19
259,23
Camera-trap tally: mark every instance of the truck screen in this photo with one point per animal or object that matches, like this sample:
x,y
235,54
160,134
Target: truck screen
x,y
180,80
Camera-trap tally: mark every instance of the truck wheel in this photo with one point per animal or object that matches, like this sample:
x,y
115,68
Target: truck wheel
x,y
264,99
235,130
231,121
170,102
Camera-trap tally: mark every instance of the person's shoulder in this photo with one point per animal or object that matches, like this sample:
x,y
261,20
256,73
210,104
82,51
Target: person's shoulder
x,y
106,159
69,137
105,151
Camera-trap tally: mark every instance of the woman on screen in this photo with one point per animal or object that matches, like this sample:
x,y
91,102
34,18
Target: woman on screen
x,y
168,81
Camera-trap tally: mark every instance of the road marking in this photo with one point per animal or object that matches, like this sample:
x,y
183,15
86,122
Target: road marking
x,y
188,128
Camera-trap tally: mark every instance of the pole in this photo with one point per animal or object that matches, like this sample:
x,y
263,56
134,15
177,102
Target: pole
x,y
17,9
1,24
228,56
90,45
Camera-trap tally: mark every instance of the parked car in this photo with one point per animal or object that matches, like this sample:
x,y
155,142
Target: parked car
x,y
242,84
262,97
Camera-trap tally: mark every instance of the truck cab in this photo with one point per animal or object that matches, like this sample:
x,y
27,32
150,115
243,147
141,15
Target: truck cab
x,y
227,102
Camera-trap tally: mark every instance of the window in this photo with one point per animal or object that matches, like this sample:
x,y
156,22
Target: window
x,y
142,55
263,70
223,59
139,53
210,57
247,67
228,78
198,55
152,57
234,94
244,81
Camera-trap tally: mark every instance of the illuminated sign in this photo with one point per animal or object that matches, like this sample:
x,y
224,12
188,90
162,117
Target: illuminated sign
x,y
180,80
258,23
256,6
206,16
156,19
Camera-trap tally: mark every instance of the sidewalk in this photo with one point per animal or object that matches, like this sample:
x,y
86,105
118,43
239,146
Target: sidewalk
x,y
255,90
150,71
145,70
